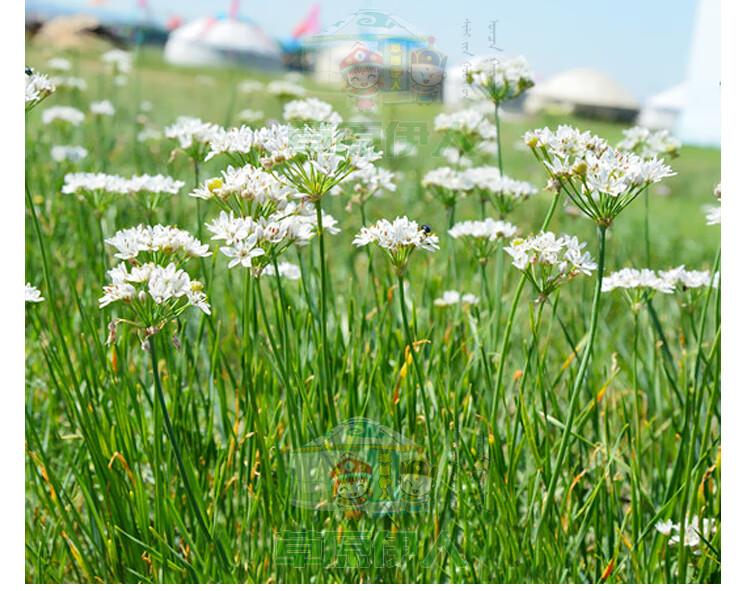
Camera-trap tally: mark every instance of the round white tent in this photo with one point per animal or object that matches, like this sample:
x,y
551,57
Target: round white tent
x,y
211,41
584,90
662,110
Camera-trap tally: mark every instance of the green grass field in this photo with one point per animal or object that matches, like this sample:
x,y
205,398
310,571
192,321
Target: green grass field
x,y
108,501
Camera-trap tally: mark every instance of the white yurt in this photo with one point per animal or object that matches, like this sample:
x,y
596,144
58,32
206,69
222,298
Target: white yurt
x,y
662,110
210,41
584,91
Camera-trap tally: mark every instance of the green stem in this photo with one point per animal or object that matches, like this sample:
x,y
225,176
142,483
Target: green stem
x,y
326,381
410,340
509,323
578,384
499,148
178,457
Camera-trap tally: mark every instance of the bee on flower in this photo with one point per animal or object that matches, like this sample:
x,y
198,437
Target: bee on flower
x,y
397,239
38,88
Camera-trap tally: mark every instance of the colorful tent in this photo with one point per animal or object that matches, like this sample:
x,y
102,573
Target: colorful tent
x,y
211,41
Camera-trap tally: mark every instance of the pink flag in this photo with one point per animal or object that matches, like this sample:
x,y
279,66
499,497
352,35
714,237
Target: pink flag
x,y
310,25
234,9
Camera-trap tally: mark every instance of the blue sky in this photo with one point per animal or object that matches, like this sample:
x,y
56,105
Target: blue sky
x,y
643,44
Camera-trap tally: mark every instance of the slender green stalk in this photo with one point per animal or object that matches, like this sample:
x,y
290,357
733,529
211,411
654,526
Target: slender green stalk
x,y
509,323
410,339
499,147
327,370
578,384
180,464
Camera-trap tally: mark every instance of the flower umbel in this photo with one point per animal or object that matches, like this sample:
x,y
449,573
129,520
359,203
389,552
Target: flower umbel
x,y
398,239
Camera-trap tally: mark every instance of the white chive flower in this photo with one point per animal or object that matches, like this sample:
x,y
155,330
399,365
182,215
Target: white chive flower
x,y
470,123
104,107
33,294
549,261
72,154
311,110
59,64
694,530
451,298
598,179
284,90
500,79
193,135
483,237
504,192
398,239
121,60
156,242
38,87
650,144
287,270
63,113
250,115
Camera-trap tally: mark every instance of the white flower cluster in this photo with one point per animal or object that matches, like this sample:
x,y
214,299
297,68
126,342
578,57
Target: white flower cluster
x,y
366,182
398,239
311,110
489,229
285,89
149,278
713,212
500,79
252,187
99,182
694,529
250,86
250,115
193,135
68,153
121,60
155,241
489,185
683,279
638,279
257,243
59,64
451,298
33,294
286,270
166,287
600,180
102,108
469,122
650,144
38,87
63,113
549,261
447,184
69,82
325,152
